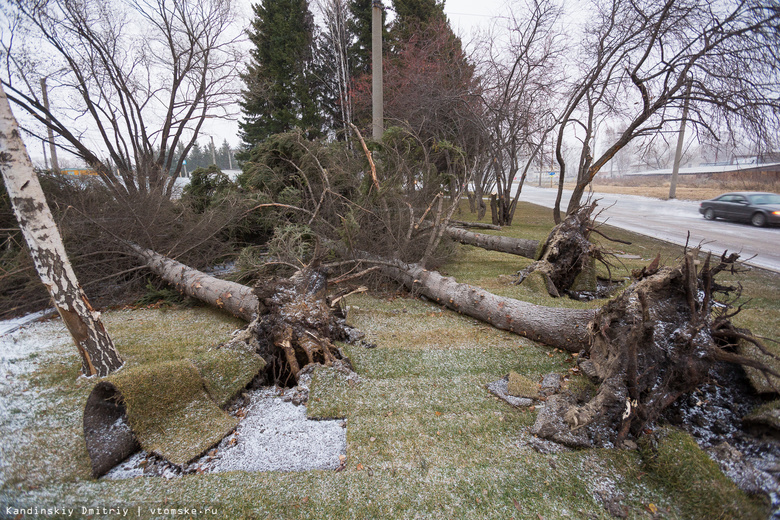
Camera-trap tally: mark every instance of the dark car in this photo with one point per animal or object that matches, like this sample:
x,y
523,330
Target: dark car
x,y
755,207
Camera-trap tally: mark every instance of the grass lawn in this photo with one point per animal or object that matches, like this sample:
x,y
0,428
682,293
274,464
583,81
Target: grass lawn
x,y
424,437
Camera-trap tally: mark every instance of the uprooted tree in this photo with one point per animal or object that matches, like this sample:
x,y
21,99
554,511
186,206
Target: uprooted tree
x,y
644,349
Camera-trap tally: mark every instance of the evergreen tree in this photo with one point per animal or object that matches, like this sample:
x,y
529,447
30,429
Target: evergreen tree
x,y
225,156
415,15
281,91
360,28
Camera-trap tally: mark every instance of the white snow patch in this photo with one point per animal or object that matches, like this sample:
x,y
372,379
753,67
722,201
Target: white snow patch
x,y
274,435
20,403
14,324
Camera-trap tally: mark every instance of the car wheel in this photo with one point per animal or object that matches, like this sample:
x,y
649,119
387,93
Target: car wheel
x,y
709,214
758,219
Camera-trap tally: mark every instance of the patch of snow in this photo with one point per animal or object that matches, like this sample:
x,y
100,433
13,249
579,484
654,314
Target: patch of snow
x,y
14,324
274,435
20,402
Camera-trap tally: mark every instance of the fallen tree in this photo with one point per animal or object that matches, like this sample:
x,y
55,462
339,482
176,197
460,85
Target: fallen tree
x,y
562,328
476,225
291,321
515,246
644,349
236,299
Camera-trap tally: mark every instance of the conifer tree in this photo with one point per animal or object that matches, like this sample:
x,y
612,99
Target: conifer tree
x,y
281,88
360,28
415,15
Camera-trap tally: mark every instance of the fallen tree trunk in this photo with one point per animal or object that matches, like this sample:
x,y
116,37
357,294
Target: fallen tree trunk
x,y
562,328
291,324
476,225
515,246
239,300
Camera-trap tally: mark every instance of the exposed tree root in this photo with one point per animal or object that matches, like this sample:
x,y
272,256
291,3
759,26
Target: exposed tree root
x,y
297,327
567,254
291,324
652,344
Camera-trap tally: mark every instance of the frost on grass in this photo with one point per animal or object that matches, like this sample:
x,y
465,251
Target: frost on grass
x,y
274,435
21,403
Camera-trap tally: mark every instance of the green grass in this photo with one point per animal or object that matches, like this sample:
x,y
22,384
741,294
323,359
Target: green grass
x,y
424,437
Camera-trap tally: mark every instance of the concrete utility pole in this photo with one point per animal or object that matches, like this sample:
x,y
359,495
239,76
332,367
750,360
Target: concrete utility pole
x,y
55,165
680,139
377,97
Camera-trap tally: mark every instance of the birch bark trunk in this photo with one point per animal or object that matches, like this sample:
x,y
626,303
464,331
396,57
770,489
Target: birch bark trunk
x,y
98,354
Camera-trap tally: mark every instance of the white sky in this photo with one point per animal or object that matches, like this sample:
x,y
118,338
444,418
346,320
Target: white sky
x,y
466,18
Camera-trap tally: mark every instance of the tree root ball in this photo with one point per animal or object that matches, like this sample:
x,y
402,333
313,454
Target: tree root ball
x,y
649,346
296,326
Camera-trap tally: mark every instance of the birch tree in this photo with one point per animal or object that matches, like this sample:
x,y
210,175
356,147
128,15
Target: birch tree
x,y
98,354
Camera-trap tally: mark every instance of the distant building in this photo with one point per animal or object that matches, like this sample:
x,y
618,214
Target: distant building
x,y
78,173
742,168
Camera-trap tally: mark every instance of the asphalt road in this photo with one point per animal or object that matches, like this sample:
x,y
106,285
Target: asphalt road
x,y
672,220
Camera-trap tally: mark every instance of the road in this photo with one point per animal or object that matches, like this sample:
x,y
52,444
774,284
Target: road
x,y
672,220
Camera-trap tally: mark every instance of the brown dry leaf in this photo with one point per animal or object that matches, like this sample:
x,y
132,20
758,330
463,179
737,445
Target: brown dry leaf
x,y
652,508
359,467
517,504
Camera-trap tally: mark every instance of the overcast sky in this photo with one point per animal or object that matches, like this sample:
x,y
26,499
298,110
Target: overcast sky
x,y
466,18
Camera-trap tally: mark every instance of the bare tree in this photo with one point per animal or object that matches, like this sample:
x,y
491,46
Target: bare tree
x,y
337,41
98,355
129,80
519,80
636,59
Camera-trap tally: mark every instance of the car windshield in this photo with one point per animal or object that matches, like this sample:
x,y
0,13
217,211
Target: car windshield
x,y
765,198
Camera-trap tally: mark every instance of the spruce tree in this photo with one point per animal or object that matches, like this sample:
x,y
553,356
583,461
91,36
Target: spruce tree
x,y
360,29
415,15
281,88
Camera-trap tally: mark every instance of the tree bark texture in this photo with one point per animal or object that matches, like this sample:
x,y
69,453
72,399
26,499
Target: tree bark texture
x,y
239,300
98,354
476,225
515,246
566,253
566,329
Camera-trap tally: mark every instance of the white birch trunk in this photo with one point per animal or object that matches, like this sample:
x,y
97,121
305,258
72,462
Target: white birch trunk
x,y
98,354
